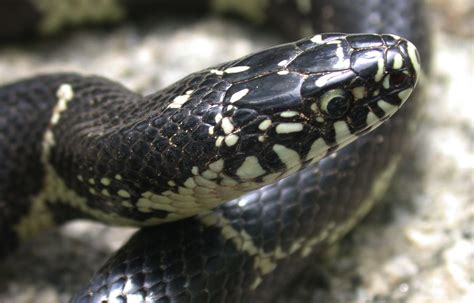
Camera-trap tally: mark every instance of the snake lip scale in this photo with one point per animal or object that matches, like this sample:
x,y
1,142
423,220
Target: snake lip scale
x,y
91,148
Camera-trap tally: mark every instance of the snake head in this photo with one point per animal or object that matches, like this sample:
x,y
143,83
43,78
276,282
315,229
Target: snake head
x,y
370,79
269,114
318,94
353,83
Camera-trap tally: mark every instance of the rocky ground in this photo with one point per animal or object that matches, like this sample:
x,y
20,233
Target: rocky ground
x,y
416,247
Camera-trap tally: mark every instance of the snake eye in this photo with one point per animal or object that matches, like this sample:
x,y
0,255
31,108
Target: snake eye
x,y
335,103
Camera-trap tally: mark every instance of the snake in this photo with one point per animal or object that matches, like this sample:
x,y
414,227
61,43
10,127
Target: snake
x,y
237,173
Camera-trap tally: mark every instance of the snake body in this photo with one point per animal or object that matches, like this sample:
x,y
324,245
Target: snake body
x,y
104,152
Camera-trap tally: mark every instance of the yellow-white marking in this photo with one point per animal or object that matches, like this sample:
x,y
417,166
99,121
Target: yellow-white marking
x,y
127,204
123,193
190,183
209,174
239,95
283,62
231,140
340,53
404,94
250,168
199,192
179,101
105,181
380,69
319,119
171,183
372,118
283,72
318,39
342,131
387,107
289,157
264,125
325,78
236,69
65,94
412,54
286,128
217,72
358,92
397,61
318,149
264,262
218,118
118,177
210,130
217,166
335,41
219,141
308,245
289,114
227,125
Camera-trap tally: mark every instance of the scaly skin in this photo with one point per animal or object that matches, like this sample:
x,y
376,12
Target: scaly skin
x,y
230,225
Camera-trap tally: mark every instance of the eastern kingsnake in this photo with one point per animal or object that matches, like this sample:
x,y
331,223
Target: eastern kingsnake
x,y
103,152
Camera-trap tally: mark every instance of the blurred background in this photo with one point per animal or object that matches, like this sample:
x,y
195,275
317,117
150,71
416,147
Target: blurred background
x,y
415,247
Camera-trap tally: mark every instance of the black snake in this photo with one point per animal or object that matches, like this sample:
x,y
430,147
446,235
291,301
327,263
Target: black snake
x,y
106,153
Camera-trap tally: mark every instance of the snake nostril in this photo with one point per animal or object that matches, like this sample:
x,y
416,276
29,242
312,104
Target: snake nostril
x,y
397,79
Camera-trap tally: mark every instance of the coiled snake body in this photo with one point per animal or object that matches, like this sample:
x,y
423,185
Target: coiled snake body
x,y
103,152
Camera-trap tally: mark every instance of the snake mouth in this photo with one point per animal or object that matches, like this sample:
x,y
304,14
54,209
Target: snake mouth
x,y
397,84
381,108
